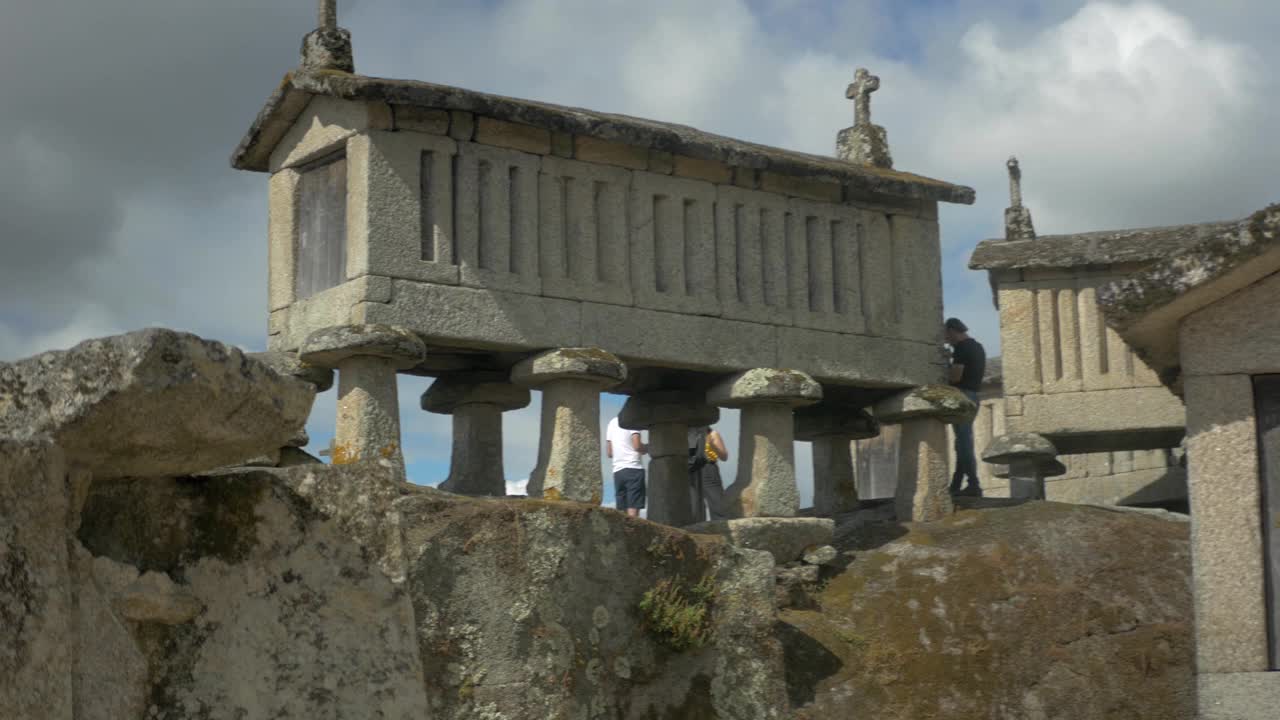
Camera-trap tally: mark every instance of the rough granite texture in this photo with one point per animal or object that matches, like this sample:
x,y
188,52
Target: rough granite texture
x,y
784,538
329,347
290,98
939,402
1041,611
587,364
766,385
1019,446
287,363
1107,247
450,391
152,402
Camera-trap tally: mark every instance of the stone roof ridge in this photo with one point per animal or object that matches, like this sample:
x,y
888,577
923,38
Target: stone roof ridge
x,y
293,93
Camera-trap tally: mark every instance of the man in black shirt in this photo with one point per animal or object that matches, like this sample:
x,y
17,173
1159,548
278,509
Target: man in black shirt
x,y
968,363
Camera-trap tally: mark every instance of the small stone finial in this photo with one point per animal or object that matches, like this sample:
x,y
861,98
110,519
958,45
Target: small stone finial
x,y
1015,183
328,47
864,83
328,15
1017,219
865,143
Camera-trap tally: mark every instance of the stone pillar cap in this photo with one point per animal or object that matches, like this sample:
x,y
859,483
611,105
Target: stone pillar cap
x,y
328,347
448,392
819,421
287,363
1016,447
766,385
645,410
941,402
593,364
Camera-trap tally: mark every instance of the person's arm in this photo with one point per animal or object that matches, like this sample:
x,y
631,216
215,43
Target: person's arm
x,y
956,373
717,444
958,360
639,446
608,448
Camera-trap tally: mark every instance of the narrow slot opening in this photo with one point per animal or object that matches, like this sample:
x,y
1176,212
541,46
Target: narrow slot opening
x,y
515,238
815,258
426,193
485,221
839,266
688,238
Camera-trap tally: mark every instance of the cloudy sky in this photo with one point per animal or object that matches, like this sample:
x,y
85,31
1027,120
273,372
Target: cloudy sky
x,y
118,209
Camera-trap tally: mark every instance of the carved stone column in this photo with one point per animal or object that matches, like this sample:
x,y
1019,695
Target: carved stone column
x,y
766,482
367,358
832,430
668,415
571,380
476,402
923,473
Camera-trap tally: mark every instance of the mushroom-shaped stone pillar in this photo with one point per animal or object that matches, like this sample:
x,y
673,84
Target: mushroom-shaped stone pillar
x,y
367,358
832,430
668,415
476,401
923,478
766,482
1031,458
569,446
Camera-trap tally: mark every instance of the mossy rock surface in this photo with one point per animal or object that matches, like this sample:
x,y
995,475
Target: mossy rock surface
x,y
1036,611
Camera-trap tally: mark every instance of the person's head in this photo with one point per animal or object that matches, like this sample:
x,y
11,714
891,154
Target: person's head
x,y
955,330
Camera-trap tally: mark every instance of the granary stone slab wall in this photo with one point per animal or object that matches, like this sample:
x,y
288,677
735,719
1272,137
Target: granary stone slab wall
x,y
1070,377
491,239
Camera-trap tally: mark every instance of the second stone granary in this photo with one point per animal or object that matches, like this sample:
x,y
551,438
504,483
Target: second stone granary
x,y
493,228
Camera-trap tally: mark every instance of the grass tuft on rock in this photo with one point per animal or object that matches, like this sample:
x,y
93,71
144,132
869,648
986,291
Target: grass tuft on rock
x,y
677,614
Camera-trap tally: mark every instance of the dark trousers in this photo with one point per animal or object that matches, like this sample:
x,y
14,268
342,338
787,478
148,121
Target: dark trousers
x,y
966,459
706,493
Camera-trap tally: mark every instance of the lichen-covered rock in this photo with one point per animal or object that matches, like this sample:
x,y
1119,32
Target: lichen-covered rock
x,y
940,402
588,364
1014,447
36,628
342,591
152,403
766,385
1041,610
786,538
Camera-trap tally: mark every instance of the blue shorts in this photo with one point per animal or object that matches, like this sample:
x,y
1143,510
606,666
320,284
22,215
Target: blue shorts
x,y
628,488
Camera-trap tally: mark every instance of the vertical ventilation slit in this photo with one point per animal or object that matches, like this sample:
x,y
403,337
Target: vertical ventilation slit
x,y
1036,343
689,236
1104,359
861,239
485,221
515,239
1055,322
788,257
739,253
566,256
811,251
601,239
839,266
426,198
767,291
454,170
1078,334
659,244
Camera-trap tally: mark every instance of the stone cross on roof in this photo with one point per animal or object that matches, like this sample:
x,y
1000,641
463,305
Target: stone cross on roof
x,y
1015,183
864,83
1017,219
328,15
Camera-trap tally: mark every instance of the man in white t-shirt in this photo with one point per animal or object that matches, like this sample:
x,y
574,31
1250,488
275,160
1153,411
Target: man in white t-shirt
x,y
625,448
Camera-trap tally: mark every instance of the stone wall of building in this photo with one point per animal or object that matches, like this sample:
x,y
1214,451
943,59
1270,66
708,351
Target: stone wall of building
x,y
483,234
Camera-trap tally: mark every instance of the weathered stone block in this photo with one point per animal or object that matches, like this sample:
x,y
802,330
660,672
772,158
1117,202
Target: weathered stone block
x,y
817,189
698,169
784,538
661,163
943,403
329,347
594,150
420,119
791,388
525,138
562,144
151,403
462,125
288,364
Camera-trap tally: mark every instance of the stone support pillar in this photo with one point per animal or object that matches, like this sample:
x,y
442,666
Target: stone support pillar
x,y
476,402
923,473
766,482
668,415
832,431
367,358
571,380
1030,457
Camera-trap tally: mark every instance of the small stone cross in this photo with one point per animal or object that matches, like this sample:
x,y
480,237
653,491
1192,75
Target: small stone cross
x,y
328,14
864,83
1015,183
328,452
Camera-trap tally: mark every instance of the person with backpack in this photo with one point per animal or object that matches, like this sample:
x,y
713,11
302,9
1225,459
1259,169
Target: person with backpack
x,y
706,489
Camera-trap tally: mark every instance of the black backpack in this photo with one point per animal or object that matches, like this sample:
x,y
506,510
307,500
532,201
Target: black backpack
x,y
698,453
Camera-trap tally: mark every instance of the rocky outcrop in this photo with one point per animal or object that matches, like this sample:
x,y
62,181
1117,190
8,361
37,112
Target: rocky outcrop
x,y
150,403
1037,611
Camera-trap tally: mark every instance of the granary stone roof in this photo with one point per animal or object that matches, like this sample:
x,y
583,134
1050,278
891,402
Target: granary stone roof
x,y
1147,307
1109,247
298,87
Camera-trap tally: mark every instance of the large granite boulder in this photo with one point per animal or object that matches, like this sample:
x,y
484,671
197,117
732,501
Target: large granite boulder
x,y
341,591
1042,610
152,403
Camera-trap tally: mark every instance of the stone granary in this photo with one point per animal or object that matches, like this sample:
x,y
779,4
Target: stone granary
x,y
1066,375
1204,319
575,251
